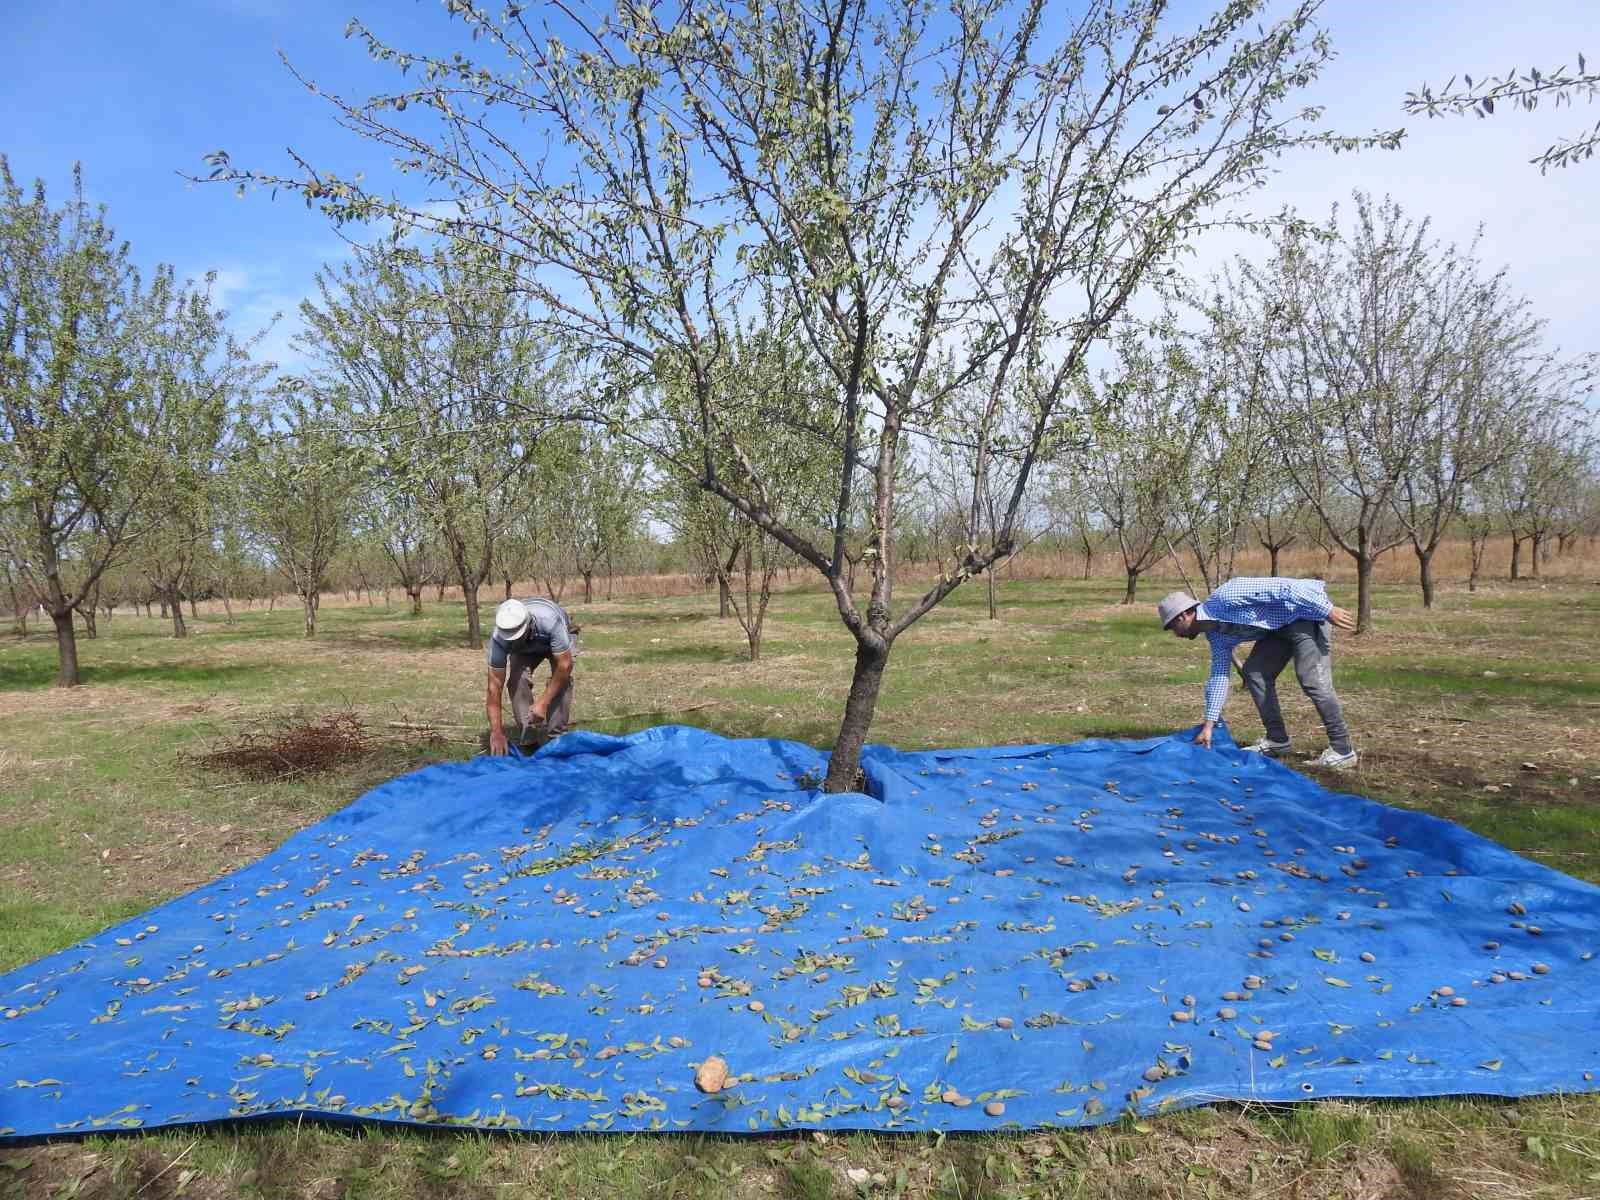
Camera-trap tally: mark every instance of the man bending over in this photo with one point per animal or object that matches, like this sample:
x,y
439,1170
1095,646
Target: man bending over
x,y
1287,619
527,633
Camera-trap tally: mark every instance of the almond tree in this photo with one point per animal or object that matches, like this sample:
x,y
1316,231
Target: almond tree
x,y
428,353
1142,466
201,377
945,199
298,483
1500,381
112,394
1363,350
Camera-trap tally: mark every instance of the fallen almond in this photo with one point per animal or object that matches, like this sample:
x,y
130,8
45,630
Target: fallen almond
x,y
711,1075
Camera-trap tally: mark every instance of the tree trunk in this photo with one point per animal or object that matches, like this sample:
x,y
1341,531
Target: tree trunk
x,y
416,599
845,763
1516,558
1364,565
1425,575
1088,561
309,602
994,614
724,599
508,587
163,608
588,586
194,613
91,630
174,603
1538,552
441,592
1274,551
469,591
66,649
1478,546
227,605
1133,585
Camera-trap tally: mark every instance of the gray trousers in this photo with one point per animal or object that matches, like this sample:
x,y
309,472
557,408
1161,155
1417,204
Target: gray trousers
x,y
519,681
1307,643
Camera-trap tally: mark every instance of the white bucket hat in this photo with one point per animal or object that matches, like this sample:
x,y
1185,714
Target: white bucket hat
x,y
511,620
1173,606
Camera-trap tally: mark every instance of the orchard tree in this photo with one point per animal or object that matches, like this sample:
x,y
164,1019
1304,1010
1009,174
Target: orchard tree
x,y
1363,349
1141,467
1500,381
199,376
945,198
430,354
1533,488
298,482
112,398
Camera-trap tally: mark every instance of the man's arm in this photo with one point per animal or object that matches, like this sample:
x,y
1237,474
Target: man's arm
x,y
491,706
1216,686
560,676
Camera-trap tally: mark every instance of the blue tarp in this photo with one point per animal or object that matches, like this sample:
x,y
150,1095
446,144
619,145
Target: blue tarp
x,y
1070,931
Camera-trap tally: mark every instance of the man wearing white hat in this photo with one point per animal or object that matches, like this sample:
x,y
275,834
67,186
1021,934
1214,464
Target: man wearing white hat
x,y
1288,620
527,633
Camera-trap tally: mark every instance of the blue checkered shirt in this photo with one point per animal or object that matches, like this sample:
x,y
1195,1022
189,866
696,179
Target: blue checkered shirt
x,y
1244,610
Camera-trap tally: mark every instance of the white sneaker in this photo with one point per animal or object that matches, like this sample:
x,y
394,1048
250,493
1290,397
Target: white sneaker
x,y
1268,747
1332,758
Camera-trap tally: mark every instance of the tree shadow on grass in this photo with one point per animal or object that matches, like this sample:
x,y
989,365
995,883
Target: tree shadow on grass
x,y
31,674
693,652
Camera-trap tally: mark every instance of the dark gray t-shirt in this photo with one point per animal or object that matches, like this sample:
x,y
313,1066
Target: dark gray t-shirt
x,y
547,633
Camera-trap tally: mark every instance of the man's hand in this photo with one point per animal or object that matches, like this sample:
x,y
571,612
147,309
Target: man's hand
x,y
497,740
538,713
1341,618
1203,738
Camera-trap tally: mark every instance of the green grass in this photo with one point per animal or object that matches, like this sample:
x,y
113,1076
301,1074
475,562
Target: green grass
x,y
105,813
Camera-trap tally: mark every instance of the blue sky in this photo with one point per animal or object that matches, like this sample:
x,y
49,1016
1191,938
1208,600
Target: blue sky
x,y
139,92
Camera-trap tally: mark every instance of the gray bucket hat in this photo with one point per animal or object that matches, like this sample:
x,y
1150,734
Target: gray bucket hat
x,y
1173,606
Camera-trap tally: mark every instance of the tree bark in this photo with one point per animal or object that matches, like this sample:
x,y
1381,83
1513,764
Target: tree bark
x,y
66,648
309,602
1537,553
1425,574
588,586
1516,558
724,598
1478,546
1364,565
174,604
1133,585
469,591
194,612
416,599
1274,551
91,629
845,763
994,613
